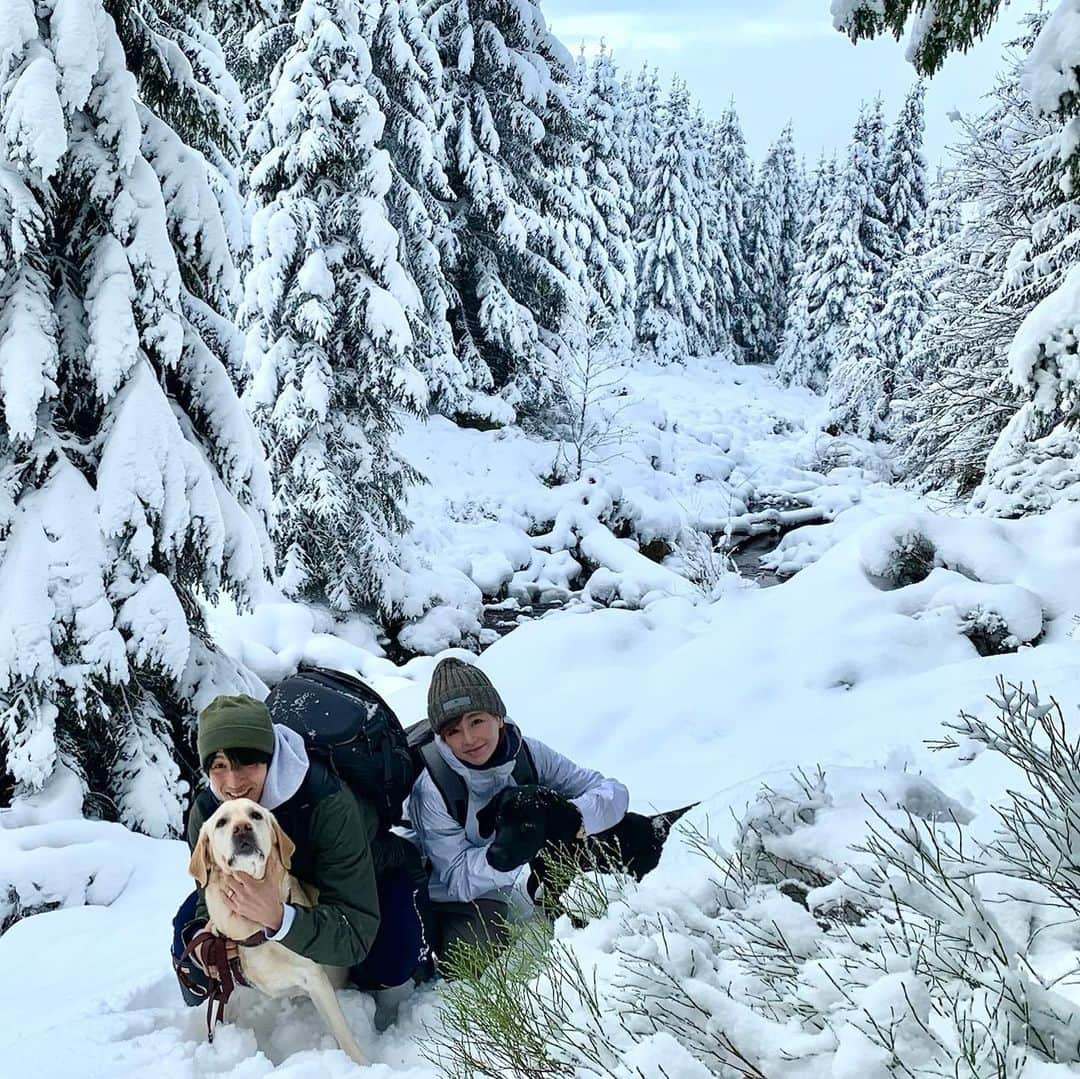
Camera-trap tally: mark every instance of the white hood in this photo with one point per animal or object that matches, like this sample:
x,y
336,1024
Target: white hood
x,y
288,766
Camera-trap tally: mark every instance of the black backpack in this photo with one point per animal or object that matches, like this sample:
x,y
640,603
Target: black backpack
x,y
447,782
353,731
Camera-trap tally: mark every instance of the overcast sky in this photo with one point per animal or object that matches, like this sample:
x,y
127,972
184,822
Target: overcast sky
x,y
781,59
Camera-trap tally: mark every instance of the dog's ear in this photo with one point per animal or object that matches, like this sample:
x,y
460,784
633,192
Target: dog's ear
x,y
485,818
564,819
199,866
285,846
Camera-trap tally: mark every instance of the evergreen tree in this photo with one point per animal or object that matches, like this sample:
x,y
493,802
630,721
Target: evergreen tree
x,y
903,175
406,82
908,303
608,195
1042,358
942,218
797,362
874,118
820,190
730,170
131,480
859,385
673,289
329,310
643,137
841,260
509,130
775,226
875,231
253,44
888,323
957,397
935,31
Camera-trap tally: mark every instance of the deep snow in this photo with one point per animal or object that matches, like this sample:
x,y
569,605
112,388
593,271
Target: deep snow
x,y
685,693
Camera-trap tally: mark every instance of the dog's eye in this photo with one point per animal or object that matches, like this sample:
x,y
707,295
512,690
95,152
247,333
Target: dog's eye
x,y
255,815
221,823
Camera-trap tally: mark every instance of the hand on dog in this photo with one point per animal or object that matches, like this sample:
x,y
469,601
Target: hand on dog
x,y
257,900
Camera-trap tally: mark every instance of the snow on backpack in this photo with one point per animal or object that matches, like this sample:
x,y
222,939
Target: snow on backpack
x,y
353,731
447,782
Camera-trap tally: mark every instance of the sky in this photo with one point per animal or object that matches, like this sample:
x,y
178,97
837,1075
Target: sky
x,y
781,60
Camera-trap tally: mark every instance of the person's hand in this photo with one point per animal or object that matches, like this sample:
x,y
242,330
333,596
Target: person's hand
x,y
257,900
205,965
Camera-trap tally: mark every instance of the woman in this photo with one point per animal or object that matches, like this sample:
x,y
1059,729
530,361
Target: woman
x,y
475,742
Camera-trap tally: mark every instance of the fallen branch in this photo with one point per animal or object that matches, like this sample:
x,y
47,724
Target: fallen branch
x,y
764,521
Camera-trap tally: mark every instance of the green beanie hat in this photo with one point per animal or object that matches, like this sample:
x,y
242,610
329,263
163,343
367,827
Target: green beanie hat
x,y
457,688
234,723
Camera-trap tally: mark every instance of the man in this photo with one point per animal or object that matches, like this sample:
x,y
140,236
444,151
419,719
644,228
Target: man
x,y
368,912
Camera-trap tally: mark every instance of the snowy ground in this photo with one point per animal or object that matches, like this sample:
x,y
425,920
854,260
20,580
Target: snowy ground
x,y
686,693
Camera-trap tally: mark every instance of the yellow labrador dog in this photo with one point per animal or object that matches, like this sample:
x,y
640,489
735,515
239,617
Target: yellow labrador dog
x,y
241,836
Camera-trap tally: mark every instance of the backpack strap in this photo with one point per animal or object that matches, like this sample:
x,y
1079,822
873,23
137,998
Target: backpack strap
x,y
524,773
447,782
452,787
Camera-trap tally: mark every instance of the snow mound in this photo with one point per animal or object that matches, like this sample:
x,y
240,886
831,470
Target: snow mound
x,y
1026,475
693,456
683,700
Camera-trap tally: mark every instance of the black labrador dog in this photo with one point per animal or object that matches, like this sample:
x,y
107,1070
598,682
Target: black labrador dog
x,y
538,825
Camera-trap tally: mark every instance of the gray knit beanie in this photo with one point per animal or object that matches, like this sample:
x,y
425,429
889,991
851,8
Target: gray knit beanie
x,y
457,688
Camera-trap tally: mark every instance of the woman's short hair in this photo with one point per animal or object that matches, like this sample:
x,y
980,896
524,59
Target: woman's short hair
x,y
238,758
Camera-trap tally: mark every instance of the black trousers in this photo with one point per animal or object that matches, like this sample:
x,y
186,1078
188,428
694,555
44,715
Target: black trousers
x,y
477,922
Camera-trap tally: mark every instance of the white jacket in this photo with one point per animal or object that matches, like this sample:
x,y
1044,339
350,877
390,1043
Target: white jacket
x,y
459,868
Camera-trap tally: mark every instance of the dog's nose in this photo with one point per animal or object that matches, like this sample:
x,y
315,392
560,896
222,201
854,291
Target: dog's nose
x,y
241,826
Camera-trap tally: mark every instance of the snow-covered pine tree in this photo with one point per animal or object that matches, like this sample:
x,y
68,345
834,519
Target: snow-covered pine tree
x,y
729,170
510,134
838,264
328,310
131,480
875,131
796,359
935,31
942,218
859,384
882,335
1035,460
406,81
673,288
908,304
774,226
576,231
252,45
903,173
863,403
708,247
954,383
1043,356
875,230
609,255
644,125
819,191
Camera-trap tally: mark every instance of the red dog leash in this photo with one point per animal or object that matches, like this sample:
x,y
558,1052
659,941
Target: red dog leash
x,y
229,973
